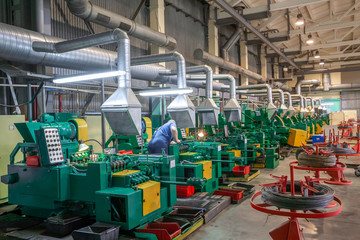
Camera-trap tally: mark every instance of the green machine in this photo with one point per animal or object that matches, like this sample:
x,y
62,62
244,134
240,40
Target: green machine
x,y
198,160
58,176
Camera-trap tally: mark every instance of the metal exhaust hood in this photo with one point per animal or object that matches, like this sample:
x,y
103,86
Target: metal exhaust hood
x,y
232,111
182,110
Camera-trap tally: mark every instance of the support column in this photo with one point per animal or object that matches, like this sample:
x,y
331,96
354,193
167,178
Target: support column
x,y
263,65
276,71
157,22
244,58
213,37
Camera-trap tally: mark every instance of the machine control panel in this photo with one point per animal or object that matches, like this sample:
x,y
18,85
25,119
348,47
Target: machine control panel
x,y
53,145
50,146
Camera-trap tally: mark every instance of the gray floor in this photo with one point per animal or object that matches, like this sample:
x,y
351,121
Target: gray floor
x,y
243,222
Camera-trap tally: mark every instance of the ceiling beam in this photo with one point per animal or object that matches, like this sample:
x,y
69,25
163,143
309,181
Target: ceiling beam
x,y
324,70
330,64
246,24
357,3
224,18
321,46
320,28
273,18
330,56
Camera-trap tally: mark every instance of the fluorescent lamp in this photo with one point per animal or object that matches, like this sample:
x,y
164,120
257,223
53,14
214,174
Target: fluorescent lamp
x,y
85,77
166,91
300,20
310,39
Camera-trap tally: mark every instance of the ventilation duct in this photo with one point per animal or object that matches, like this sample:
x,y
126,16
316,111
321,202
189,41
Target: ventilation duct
x,y
291,109
208,111
181,109
301,110
326,81
271,108
122,109
92,13
312,110
305,82
282,110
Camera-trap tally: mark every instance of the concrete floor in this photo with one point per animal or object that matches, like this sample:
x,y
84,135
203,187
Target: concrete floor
x,y
243,222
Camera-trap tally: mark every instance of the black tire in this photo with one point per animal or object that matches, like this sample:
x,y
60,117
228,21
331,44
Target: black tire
x,y
319,200
357,172
305,159
344,150
300,150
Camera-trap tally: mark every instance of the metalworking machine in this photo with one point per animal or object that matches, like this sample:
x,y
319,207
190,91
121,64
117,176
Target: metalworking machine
x,y
58,176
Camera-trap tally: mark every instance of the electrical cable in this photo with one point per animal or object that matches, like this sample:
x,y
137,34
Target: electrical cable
x,y
94,140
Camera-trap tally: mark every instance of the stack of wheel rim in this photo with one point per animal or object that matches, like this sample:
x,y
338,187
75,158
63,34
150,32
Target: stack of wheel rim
x,y
314,160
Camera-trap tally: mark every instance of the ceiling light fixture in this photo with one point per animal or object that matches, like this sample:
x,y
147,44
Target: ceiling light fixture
x,y
310,40
317,54
166,91
300,20
85,77
321,62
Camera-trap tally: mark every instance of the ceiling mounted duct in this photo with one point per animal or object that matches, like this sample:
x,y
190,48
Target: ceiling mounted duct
x,y
181,109
208,111
291,109
271,108
301,110
122,109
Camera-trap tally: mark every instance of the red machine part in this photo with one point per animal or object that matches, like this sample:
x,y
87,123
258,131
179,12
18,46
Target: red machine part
x,y
184,191
241,170
163,231
235,195
290,230
33,161
126,152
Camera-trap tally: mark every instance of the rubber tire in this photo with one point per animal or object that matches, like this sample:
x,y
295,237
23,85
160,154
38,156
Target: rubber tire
x,y
319,200
357,172
300,150
344,150
305,159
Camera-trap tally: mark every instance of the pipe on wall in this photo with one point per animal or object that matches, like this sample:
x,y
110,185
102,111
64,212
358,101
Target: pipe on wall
x,y
92,13
209,77
231,42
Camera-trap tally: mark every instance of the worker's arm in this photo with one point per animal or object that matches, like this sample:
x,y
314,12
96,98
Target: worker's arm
x,y
174,133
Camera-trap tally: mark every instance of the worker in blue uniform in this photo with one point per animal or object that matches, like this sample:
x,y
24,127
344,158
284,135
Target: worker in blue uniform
x,y
164,136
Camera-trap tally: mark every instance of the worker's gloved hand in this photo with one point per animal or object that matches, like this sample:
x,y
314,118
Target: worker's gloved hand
x,y
178,141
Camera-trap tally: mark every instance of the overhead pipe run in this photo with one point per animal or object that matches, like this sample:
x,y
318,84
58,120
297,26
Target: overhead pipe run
x,y
92,13
326,81
305,82
230,10
208,111
290,105
312,110
181,109
208,58
122,109
231,42
283,109
271,108
232,108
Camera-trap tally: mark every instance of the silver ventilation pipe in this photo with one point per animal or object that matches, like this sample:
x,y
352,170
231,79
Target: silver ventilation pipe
x,y
312,111
302,110
181,109
208,111
326,81
208,58
290,105
271,108
232,108
305,82
231,42
122,109
92,13
283,109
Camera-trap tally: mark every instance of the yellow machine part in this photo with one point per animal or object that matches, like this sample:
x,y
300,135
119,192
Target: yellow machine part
x,y
297,137
148,125
259,165
151,196
207,169
318,129
224,144
282,121
188,153
257,145
237,153
187,130
82,129
125,173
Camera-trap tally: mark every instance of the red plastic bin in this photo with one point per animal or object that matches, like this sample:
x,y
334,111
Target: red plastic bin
x,y
233,193
241,170
33,161
184,191
163,231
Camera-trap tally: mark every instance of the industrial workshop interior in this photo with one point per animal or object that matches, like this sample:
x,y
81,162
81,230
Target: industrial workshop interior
x,y
179,119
